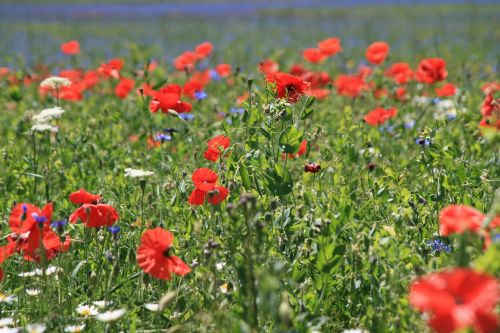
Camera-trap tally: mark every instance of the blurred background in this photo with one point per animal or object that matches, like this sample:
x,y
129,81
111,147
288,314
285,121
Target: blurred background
x,y
246,31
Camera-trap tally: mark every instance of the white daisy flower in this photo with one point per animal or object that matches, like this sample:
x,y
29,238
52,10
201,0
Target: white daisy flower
x,y
353,330
48,115
7,298
74,328
111,315
8,321
87,310
138,173
102,304
9,329
50,270
55,82
33,292
421,101
27,274
153,307
35,328
44,128
220,265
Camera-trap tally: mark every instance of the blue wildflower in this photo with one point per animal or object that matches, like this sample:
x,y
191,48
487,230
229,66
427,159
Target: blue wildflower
x,y
237,110
409,124
437,245
214,75
423,141
200,95
114,229
186,116
59,224
38,218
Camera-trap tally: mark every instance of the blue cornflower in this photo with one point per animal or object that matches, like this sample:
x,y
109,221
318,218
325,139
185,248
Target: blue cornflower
x,y
186,116
200,95
114,229
237,110
437,245
163,137
436,100
409,124
59,224
423,142
214,75
38,218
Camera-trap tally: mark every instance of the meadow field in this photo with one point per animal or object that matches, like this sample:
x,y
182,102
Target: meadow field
x,y
303,169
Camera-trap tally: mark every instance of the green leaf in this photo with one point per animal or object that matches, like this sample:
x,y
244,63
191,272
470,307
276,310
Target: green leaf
x,y
279,180
290,140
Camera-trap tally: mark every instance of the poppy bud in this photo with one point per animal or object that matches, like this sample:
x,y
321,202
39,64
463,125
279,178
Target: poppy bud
x,y
312,167
371,166
249,82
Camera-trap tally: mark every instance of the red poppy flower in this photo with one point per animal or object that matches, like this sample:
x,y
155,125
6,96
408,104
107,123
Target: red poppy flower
x,y
431,70
380,115
168,98
111,68
400,72
206,188
203,50
401,94
298,70
490,122
490,106
90,79
312,167
448,89
71,48
457,299
24,217
81,197
224,70
154,257
349,85
191,87
330,46
289,86
215,146
380,93
316,79
204,179
94,216
268,67
186,61
377,52
487,88
124,87
456,219
314,55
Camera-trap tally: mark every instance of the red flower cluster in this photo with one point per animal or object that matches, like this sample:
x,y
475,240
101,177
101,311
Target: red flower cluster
x,y
380,115
206,188
124,87
32,235
490,109
91,213
187,60
216,146
154,257
326,48
456,300
350,85
400,72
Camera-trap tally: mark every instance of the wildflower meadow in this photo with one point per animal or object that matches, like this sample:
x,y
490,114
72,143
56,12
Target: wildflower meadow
x,y
294,169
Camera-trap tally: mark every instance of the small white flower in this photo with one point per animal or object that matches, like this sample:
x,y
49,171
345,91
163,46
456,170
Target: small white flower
x,y
353,330
102,304
220,265
223,288
8,321
55,82
51,270
138,173
27,274
153,307
35,328
421,100
74,328
33,292
9,329
48,115
44,128
111,315
87,310
7,298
